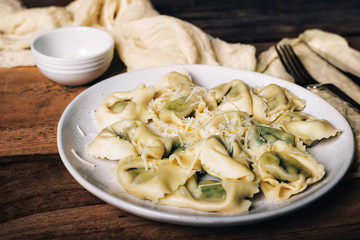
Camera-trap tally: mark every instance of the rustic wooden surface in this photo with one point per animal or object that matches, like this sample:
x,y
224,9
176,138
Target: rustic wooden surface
x,y
39,199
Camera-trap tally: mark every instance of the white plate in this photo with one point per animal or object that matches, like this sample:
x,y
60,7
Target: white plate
x,y
77,128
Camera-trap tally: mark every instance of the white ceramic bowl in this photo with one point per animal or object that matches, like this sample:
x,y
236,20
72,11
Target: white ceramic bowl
x,y
70,62
74,67
73,55
74,78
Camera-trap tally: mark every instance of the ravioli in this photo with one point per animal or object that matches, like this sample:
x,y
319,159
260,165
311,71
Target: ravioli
x,y
231,122
308,128
214,154
111,142
234,96
271,101
174,110
186,157
111,145
178,102
228,197
261,137
151,179
180,144
131,105
285,170
174,82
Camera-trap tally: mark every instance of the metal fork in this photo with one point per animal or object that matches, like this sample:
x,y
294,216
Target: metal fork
x,y
303,78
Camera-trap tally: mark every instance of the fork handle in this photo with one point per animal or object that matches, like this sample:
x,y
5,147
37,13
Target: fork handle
x,y
351,114
337,91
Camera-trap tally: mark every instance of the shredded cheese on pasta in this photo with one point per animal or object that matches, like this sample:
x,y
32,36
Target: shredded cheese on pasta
x,y
190,136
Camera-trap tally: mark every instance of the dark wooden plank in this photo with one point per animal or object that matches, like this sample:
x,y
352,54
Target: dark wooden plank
x,y
42,3
40,199
38,183
103,221
31,107
261,21
257,21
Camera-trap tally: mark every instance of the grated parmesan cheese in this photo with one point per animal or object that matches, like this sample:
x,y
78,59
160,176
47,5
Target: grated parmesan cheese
x,y
193,132
80,130
81,159
145,161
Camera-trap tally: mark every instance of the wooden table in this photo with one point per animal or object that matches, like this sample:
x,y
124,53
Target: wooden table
x,y
40,199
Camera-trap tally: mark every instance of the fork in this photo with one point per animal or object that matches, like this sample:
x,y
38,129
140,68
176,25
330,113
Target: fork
x,y
302,77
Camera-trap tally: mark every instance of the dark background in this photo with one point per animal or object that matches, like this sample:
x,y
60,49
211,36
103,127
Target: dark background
x,y
260,23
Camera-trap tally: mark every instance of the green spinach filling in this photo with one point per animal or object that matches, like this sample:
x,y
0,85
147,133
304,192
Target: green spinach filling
x,y
282,167
267,135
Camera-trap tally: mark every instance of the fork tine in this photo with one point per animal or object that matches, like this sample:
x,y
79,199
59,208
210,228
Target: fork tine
x,y
281,56
302,77
292,67
299,66
288,64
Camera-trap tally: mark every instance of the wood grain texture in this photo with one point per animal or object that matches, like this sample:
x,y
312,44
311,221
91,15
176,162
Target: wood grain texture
x,y
266,20
39,199
31,106
44,201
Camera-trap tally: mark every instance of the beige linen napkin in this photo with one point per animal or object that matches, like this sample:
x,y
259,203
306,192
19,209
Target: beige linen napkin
x,y
311,47
143,37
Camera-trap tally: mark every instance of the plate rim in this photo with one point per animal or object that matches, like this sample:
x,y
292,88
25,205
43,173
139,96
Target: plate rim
x,y
188,219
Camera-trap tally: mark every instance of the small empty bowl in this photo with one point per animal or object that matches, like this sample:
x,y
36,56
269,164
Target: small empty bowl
x,y
73,55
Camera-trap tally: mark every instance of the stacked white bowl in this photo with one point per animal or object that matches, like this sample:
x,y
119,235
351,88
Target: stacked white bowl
x,y
73,55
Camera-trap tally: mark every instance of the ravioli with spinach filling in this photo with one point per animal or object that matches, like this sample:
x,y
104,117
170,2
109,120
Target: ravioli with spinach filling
x,y
244,137
285,170
225,196
260,137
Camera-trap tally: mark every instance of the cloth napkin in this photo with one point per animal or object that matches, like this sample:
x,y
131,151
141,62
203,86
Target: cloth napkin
x,y
145,38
